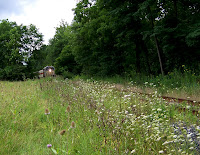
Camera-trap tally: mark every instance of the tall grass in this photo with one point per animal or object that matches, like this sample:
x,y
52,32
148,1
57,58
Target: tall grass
x,y
178,83
91,117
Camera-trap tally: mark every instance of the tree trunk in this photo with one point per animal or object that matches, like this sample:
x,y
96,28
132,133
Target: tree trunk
x,y
156,41
159,57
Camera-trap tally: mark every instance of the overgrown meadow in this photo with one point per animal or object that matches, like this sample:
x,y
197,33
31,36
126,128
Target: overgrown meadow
x,y
55,116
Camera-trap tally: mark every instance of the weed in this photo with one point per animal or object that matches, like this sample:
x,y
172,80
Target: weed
x,y
92,117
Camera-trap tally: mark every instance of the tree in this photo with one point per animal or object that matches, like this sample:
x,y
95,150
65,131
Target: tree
x,y
111,37
65,63
59,51
56,44
17,45
179,23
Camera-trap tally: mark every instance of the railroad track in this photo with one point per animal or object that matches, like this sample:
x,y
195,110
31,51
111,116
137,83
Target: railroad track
x,y
180,100
166,98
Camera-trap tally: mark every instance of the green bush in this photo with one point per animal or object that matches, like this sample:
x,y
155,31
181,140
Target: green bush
x,y
67,75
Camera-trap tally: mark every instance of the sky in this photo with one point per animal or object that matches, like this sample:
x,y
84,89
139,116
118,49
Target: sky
x,y
46,15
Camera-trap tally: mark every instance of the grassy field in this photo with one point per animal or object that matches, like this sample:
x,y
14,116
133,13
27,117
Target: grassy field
x,y
55,116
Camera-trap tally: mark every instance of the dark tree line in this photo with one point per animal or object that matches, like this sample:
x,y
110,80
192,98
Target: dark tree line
x,y
109,37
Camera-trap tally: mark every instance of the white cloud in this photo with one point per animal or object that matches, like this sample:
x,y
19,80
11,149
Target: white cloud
x,y
8,7
46,15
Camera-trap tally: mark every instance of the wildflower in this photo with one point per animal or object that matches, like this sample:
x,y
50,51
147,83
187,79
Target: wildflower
x,y
47,112
49,145
188,107
62,132
156,128
126,112
148,126
97,112
133,151
72,124
161,151
189,135
158,138
166,142
68,109
190,140
125,96
145,117
175,136
179,150
159,109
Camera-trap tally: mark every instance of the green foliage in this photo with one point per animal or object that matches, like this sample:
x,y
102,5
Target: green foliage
x,y
110,38
60,52
17,47
37,61
192,39
117,37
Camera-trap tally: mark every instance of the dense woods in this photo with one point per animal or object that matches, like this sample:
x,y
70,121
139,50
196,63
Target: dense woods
x,y
109,37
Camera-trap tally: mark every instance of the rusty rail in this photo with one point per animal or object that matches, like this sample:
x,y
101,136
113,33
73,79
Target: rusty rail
x,y
167,98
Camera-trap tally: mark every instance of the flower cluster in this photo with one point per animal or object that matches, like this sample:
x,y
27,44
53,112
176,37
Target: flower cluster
x,y
129,122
